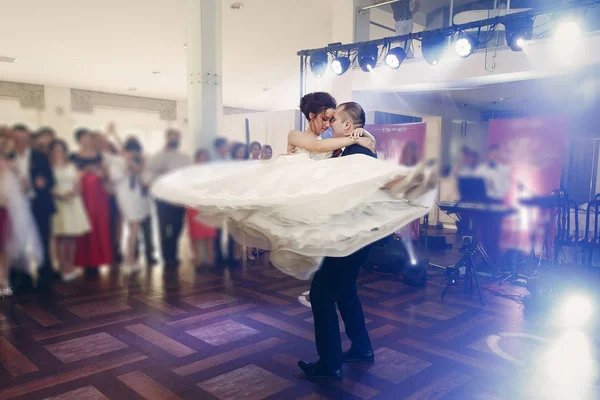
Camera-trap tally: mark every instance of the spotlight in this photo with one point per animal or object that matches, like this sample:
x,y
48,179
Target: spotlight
x,y
577,310
466,45
567,32
518,32
394,57
340,65
318,63
367,57
433,48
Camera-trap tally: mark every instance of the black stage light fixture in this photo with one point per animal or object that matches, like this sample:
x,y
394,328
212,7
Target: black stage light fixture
x,y
395,57
340,65
518,31
465,45
367,57
318,63
433,47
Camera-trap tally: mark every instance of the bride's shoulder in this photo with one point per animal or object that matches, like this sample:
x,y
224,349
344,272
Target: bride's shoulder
x,y
295,132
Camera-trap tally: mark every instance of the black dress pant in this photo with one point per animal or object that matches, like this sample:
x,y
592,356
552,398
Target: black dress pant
x,y
115,224
43,222
170,225
146,231
335,283
146,226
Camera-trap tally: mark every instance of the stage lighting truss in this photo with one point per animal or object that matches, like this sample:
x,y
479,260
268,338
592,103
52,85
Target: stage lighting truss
x,y
466,44
318,63
518,29
367,57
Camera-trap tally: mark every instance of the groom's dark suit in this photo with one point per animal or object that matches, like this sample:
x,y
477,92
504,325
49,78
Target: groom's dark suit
x,y
335,283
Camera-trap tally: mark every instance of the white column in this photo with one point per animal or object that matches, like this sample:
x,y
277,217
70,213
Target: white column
x,y
205,91
342,26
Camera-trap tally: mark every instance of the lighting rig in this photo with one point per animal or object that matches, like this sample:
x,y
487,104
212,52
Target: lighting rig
x,y
466,38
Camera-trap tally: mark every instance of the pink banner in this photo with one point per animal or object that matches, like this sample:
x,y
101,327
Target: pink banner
x,y
534,149
404,143
393,139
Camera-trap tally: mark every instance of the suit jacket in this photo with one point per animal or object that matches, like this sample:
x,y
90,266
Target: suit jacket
x,y
359,257
358,149
39,166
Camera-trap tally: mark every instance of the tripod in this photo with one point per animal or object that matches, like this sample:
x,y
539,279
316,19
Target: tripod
x,y
469,249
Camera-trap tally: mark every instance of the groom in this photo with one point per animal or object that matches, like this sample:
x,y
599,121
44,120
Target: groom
x,y
335,283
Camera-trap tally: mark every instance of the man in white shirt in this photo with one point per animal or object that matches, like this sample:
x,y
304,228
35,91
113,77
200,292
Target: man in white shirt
x,y
468,163
170,217
495,174
497,185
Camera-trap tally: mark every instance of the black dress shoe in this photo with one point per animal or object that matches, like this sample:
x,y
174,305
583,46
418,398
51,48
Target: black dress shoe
x,y
352,356
318,370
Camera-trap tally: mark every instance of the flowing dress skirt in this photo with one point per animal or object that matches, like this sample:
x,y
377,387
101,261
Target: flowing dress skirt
x,y
95,247
301,209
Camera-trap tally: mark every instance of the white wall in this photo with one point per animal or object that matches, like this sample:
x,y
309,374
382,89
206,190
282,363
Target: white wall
x,y
266,127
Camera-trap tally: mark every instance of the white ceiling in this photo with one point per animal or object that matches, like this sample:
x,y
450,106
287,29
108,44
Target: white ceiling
x,y
113,45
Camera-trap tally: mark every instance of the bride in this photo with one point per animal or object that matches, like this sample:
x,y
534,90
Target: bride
x,y
20,245
305,206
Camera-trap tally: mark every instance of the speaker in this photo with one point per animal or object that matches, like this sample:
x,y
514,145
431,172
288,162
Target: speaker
x,y
387,255
415,275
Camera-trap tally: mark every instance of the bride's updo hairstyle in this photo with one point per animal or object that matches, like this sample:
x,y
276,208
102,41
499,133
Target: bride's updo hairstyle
x,y
316,103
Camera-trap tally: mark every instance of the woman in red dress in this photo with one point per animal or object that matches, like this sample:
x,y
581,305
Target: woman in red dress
x,y
201,235
95,248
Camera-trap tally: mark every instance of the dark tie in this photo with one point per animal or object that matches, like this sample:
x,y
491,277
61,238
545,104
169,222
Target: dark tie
x,y
337,153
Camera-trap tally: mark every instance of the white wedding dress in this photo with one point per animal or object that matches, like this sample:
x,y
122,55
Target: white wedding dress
x,y
302,207
23,246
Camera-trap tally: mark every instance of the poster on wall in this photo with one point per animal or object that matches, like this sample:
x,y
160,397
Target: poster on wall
x,y
534,150
394,139
403,143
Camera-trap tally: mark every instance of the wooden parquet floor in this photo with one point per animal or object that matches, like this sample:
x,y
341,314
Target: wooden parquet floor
x,y
237,333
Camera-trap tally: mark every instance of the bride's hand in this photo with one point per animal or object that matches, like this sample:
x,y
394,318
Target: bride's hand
x,y
367,143
357,133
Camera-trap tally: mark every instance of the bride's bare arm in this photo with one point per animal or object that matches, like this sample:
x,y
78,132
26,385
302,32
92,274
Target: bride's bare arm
x,y
303,141
361,132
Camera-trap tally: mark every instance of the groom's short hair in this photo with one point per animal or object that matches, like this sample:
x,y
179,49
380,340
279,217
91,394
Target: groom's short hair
x,y
354,112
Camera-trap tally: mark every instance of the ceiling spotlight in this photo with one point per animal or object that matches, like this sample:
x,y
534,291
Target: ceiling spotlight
x,y
340,65
466,45
433,47
318,63
395,57
367,57
518,32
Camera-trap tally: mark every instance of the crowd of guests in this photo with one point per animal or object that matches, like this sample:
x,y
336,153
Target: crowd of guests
x,y
71,208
